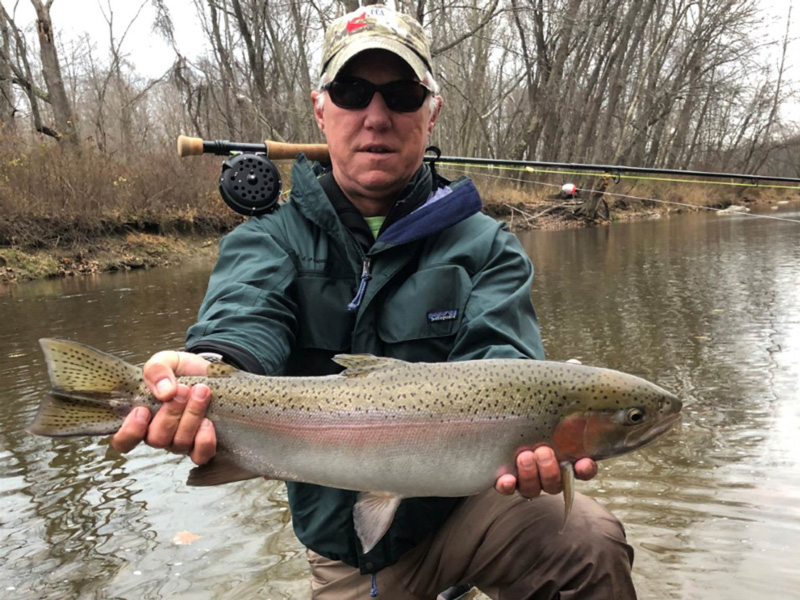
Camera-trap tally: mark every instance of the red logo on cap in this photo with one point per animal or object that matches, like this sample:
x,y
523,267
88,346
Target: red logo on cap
x,y
357,22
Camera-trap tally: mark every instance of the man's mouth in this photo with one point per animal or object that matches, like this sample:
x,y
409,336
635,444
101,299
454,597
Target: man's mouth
x,y
376,149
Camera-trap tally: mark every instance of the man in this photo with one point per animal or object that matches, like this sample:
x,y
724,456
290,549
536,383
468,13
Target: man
x,y
382,256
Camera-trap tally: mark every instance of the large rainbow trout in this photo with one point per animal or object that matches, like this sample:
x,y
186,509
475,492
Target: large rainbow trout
x,y
385,427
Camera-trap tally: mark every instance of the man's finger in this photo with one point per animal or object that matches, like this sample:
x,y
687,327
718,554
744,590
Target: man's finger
x,y
528,476
133,430
549,471
585,469
506,484
159,374
167,419
205,443
191,419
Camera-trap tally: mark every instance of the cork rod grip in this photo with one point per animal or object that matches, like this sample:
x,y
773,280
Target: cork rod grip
x,y
189,146
281,150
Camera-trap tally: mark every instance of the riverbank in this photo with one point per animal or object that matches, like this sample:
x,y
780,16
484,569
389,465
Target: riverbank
x,y
630,201
104,255
48,247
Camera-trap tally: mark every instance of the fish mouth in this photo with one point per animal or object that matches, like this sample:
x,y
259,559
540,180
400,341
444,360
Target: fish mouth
x,y
643,438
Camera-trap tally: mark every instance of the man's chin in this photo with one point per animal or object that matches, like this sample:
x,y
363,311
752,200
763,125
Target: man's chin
x,y
377,182
365,179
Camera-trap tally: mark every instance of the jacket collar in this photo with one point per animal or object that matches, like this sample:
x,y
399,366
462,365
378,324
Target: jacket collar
x,y
418,214
446,207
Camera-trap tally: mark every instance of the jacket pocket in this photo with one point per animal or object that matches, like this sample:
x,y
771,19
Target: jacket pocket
x,y
429,304
324,321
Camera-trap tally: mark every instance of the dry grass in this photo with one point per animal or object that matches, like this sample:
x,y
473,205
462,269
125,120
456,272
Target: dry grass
x,y
52,196
535,203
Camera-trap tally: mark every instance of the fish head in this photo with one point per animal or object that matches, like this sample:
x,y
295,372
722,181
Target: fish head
x,y
608,424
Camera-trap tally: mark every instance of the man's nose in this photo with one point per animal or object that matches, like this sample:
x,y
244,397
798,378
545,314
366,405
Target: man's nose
x,y
377,113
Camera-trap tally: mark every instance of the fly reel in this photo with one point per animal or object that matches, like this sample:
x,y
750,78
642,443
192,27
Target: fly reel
x,y
250,184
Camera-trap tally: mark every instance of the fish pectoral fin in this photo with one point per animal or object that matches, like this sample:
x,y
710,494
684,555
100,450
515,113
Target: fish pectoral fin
x,y
373,513
220,469
358,365
568,483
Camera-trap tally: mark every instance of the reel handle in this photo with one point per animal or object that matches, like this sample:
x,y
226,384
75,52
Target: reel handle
x,y
190,146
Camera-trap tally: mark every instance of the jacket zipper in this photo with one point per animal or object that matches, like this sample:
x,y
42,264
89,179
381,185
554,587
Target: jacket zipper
x,y
366,263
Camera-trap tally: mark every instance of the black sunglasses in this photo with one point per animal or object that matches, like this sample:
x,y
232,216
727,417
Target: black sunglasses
x,y
354,93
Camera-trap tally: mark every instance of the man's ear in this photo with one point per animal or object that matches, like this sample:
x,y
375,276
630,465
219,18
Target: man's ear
x,y
316,97
435,113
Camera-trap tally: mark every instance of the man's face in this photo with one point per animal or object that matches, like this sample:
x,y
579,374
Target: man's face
x,y
375,151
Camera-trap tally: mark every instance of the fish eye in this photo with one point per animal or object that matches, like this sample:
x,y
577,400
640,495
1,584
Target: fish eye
x,y
634,416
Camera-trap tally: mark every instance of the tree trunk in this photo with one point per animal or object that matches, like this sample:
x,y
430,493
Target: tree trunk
x,y
7,104
51,71
23,76
591,206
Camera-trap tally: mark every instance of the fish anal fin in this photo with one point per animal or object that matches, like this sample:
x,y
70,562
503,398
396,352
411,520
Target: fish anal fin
x,y
373,514
568,483
358,365
219,470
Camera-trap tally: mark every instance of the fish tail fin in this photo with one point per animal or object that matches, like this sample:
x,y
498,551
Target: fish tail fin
x,y
92,391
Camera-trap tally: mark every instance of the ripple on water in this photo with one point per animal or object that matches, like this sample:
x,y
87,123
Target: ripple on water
x,y
704,307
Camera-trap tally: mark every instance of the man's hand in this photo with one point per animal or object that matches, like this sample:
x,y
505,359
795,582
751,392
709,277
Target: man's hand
x,y
180,425
539,472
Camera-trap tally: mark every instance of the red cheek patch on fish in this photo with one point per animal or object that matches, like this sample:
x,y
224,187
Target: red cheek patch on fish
x,y
597,433
568,437
581,435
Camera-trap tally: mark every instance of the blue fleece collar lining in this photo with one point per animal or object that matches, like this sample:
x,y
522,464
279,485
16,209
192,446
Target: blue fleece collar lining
x,y
445,208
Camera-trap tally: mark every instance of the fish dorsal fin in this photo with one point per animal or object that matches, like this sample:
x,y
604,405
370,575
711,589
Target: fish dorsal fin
x,y
75,367
358,365
220,469
373,514
223,370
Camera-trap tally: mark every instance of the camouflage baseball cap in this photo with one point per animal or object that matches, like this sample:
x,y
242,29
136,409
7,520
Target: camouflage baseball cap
x,y
376,27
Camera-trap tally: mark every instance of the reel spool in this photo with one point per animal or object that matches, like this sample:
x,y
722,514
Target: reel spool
x,y
250,184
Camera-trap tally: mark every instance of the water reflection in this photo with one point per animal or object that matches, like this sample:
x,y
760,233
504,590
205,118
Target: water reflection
x,y
705,306
708,308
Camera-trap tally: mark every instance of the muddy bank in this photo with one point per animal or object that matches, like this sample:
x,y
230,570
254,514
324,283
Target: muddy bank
x,y
107,254
554,213
141,250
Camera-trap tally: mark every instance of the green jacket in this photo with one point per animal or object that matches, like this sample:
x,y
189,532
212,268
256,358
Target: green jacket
x,y
443,283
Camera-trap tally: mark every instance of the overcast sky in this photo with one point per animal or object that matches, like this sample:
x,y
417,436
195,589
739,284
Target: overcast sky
x,y
152,56
144,48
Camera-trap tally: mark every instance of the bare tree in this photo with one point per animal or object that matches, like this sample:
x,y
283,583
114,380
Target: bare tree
x,y
22,74
51,71
648,82
7,100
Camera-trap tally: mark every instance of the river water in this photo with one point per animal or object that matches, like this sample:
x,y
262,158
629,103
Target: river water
x,y
704,305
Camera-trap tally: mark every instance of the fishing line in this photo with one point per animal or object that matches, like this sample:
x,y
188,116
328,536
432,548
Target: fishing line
x,y
620,175
629,196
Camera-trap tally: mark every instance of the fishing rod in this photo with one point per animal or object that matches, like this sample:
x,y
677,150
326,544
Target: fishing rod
x,y
250,183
